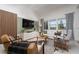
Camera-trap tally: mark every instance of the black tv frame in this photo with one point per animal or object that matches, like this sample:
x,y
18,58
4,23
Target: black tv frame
x,y
28,24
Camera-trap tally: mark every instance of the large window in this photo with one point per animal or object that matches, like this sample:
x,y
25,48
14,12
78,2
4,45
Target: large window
x,y
61,23
57,23
45,25
53,24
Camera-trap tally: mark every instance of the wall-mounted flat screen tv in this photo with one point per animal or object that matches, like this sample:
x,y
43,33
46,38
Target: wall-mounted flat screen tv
x,y
27,23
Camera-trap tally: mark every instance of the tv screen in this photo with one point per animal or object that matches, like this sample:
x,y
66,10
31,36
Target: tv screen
x,y
27,23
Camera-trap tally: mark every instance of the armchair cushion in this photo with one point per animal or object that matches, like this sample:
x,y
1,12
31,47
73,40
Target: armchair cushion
x,y
32,49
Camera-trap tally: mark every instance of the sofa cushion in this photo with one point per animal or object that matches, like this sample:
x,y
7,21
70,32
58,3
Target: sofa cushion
x,y
19,48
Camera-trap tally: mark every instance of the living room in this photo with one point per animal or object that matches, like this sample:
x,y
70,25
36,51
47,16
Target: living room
x,y
40,25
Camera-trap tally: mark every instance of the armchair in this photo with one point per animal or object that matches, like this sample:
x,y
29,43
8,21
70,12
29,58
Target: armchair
x,y
60,43
7,42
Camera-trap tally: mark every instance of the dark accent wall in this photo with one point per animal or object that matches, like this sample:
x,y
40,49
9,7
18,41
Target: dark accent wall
x,y
8,23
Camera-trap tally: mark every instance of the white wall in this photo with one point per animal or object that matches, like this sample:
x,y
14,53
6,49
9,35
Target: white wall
x,y
76,24
19,25
21,11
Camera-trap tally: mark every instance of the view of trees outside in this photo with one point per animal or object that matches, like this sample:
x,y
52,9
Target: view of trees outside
x,y
60,24
53,24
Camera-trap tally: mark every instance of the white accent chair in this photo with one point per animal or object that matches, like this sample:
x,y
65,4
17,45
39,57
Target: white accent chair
x,y
69,35
68,38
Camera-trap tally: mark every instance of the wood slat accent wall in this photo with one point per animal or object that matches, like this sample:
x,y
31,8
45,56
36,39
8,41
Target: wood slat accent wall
x,y
8,23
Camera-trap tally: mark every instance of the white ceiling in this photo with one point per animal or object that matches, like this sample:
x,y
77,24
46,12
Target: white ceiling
x,y
40,9
43,9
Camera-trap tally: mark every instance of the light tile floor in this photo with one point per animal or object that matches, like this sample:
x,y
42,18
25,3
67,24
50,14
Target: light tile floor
x,y
2,51
49,48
